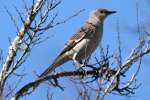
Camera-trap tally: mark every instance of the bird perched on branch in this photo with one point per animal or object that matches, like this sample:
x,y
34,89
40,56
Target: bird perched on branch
x,y
83,43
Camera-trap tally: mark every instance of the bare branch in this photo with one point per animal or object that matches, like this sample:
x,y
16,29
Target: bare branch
x,y
97,72
119,59
16,43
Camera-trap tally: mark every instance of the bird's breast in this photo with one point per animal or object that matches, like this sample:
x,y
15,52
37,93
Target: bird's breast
x,y
95,41
87,46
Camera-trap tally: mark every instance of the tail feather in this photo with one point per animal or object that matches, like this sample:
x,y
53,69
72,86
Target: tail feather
x,y
57,62
50,69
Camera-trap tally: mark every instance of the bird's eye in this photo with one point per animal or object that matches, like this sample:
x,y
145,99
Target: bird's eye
x,y
102,12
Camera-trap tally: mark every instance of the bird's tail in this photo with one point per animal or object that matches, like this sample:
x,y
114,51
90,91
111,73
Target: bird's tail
x,y
57,62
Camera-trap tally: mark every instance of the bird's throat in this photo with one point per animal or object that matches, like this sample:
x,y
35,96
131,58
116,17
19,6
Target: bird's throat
x,y
94,20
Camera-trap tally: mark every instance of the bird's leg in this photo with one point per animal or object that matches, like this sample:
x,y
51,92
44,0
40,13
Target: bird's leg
x,y
80,64
75,61
84,64
86,61
82,68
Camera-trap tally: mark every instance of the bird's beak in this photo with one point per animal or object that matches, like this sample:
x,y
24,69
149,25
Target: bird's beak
x,y
111,12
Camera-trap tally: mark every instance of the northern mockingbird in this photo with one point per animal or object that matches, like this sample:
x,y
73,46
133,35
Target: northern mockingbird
x,y
83,43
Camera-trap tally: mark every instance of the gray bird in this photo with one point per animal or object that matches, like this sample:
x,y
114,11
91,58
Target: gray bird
x,y
83,43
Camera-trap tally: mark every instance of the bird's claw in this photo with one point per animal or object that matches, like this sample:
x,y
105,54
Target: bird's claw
x,y
84,71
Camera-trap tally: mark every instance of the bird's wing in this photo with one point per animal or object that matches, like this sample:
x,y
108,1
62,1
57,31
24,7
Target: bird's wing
x,y
76,38
68,46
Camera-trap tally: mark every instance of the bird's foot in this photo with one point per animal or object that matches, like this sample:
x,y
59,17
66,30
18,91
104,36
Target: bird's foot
x,y
83,70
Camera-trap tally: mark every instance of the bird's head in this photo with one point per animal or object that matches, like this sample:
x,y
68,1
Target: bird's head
x,y
101,13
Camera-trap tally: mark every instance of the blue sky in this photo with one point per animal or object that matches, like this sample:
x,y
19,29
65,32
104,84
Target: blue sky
x,y
43,54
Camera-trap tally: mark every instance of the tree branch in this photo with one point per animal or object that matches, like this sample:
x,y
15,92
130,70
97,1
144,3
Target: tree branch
x,y
16,43
98,72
